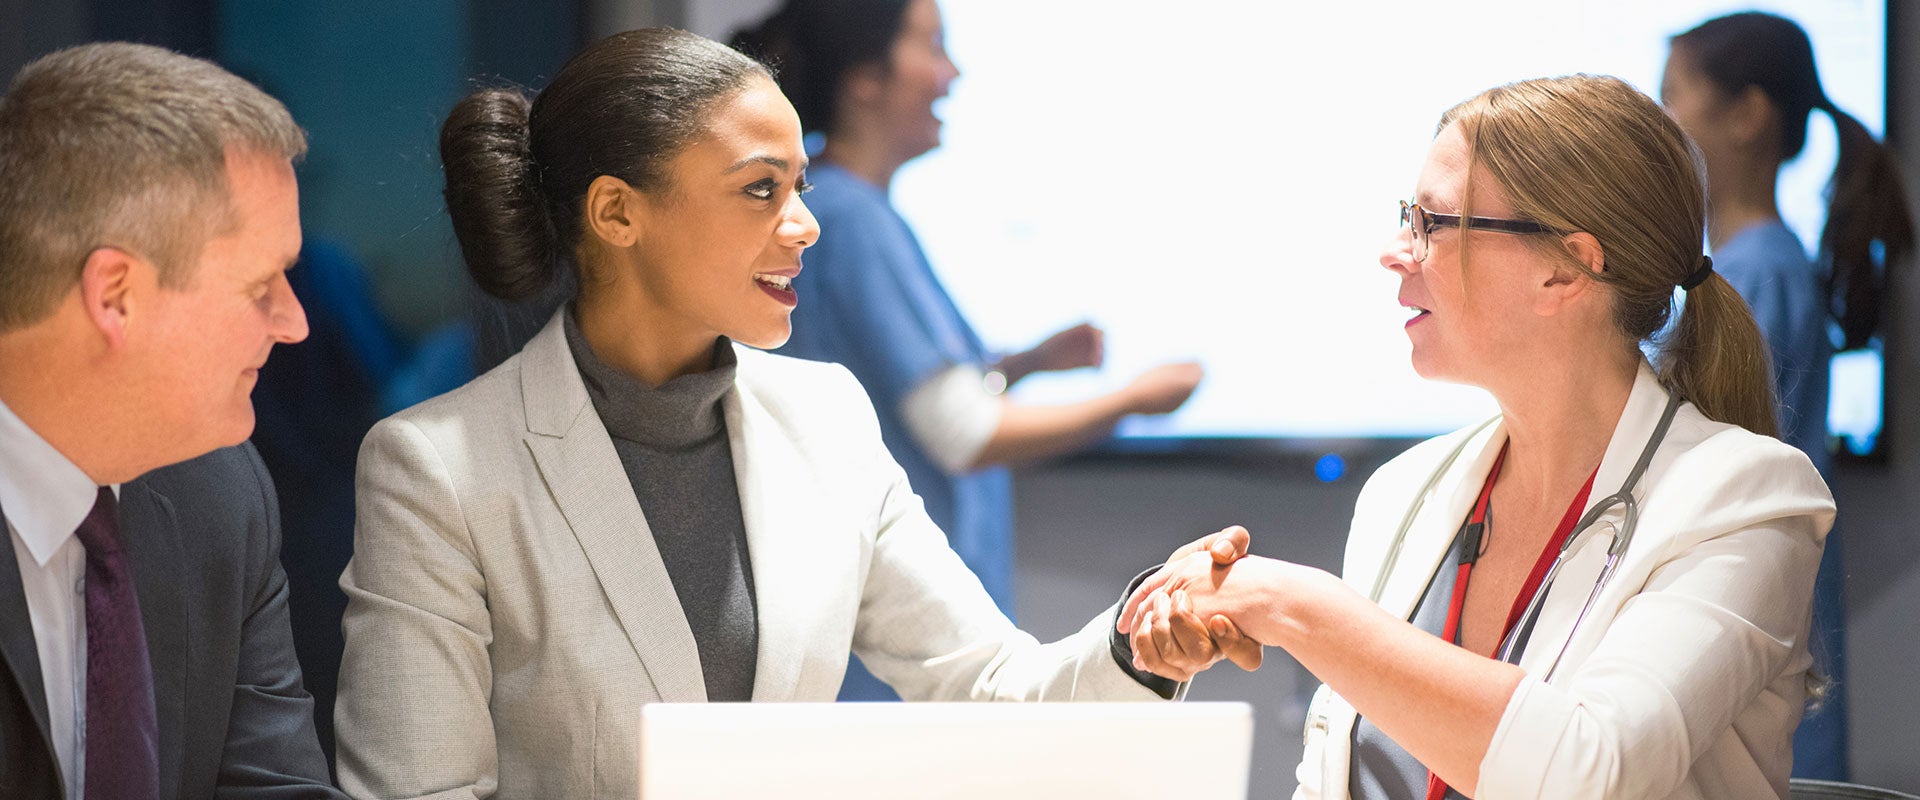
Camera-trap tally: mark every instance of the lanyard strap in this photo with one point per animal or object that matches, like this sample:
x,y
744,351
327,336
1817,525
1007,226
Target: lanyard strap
x,y
1474,532
1473,536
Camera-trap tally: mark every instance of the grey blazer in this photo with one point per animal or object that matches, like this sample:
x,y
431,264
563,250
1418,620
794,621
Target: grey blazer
x,y
204,536
508,613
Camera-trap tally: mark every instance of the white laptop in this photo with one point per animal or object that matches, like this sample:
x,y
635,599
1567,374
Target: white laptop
x,y
1075,751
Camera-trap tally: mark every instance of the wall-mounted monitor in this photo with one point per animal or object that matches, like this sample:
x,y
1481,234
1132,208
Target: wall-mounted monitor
x,y
1215,179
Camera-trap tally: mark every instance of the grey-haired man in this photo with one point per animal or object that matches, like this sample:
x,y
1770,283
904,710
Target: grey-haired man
x,y
148,214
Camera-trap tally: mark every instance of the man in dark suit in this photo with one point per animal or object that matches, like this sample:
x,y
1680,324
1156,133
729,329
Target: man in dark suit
x,y
148,214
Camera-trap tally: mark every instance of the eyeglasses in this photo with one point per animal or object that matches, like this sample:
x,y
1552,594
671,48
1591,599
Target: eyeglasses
x,y
1423,222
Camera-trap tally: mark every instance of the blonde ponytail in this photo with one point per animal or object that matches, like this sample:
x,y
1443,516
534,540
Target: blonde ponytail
x,y
1716,358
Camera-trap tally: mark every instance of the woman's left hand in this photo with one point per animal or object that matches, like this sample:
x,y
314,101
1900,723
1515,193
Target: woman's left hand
x,y
1080,346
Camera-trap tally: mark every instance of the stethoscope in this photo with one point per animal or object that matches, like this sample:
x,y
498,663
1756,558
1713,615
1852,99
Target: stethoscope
x,y
1514,644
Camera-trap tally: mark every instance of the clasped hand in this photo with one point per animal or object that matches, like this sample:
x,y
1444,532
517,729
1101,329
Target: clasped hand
x,y
1169,637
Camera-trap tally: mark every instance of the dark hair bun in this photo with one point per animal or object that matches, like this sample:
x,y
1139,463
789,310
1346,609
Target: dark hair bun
x,y
493,195
518,170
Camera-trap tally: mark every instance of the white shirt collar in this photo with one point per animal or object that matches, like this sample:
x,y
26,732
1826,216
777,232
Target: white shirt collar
x,y
45,497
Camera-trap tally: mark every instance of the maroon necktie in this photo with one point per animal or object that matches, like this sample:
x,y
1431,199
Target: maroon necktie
x,y
123,740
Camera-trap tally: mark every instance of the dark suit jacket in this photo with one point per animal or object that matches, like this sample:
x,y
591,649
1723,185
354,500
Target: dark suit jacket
x,y
204,536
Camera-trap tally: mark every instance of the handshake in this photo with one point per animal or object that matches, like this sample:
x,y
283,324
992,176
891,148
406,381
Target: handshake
x,y
1204,605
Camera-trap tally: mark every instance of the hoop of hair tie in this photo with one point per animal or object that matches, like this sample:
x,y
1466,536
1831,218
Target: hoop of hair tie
x,y
1699,276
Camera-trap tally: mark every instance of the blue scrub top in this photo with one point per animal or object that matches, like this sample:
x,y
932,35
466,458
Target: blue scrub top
x,y
869,300
1768,266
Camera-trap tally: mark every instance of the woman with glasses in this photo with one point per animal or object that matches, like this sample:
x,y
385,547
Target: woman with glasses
x,y
1664,654
1744,87
640,506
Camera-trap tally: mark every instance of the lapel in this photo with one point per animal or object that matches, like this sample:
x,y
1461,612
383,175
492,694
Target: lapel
x,y
1576,579
778,495
17,646
583,472
1432,531
152,537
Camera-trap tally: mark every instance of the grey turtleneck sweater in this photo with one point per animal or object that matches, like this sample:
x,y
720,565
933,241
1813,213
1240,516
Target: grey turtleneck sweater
x,y
672,441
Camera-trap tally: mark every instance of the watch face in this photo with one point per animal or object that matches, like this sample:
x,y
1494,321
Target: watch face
x,y
995,382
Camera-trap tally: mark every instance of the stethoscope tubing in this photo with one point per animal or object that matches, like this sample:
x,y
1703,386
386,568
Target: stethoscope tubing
x,y
1419,503
1513,645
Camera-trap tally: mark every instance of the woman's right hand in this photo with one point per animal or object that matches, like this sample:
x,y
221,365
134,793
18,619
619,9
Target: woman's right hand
x,y
1163,389
1199,587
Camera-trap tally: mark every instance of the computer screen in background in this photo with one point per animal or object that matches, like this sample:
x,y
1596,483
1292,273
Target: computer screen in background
x,y
1215,179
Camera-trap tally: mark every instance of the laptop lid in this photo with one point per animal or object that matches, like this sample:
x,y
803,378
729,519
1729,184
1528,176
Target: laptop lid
x,y
1110,751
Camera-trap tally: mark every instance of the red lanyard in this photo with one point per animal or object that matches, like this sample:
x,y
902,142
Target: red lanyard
x,y
1475,531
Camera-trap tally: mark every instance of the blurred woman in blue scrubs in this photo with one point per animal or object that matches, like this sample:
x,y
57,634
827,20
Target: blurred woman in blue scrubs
x,y
866,74
1743,87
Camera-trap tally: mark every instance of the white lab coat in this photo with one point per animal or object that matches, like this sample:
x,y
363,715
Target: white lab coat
x,y
1689,675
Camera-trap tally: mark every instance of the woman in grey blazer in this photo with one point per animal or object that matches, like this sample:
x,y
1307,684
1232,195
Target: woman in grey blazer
x,y
635,508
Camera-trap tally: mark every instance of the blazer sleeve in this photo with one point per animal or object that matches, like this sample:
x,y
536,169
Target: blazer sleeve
x,y
928,628
1722,617
271,749
412,717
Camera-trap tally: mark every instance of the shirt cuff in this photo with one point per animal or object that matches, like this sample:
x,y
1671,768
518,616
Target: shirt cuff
x,y
1122,649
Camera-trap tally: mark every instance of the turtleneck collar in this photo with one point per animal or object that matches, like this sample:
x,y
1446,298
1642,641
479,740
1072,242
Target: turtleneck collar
x,y
679,413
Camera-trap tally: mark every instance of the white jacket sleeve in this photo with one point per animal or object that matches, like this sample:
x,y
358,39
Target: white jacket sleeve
x,y
927,627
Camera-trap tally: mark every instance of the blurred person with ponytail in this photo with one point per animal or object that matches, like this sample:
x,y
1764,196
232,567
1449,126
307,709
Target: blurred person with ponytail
x,y
1550,225
866,75
1743,87
640,506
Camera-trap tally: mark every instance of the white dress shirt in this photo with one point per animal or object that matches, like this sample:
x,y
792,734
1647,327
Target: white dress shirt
x,y
45,498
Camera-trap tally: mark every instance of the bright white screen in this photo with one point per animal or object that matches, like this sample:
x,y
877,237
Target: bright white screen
x,y
1214,179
